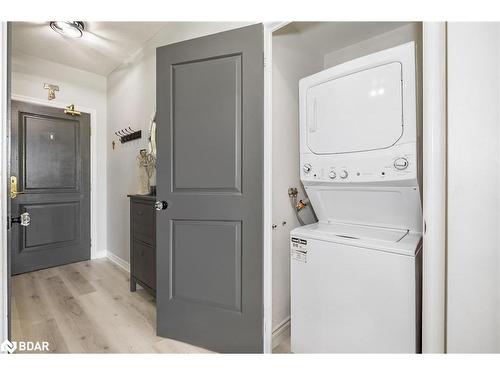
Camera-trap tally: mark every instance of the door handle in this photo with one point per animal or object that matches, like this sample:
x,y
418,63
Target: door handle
x,y
24,219
13,188
161,205
313,124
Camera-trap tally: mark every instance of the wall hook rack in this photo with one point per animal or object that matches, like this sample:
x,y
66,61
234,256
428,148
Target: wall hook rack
x,y
128,134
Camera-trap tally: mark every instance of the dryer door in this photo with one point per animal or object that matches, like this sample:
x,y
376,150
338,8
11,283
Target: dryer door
x,y
360,111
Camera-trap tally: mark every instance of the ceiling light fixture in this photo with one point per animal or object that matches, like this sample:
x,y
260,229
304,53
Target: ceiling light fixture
x,y
70,29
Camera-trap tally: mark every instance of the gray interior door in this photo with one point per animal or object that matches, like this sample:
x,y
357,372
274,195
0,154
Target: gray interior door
x,y
210,94
50,159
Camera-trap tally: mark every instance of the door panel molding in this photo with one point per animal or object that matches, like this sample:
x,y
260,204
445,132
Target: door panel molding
x,y
210,231
35,221
219,171
23,177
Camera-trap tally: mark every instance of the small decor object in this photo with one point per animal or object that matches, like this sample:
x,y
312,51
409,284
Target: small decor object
x,y
128,134
147,166
152,134
52,90
152,150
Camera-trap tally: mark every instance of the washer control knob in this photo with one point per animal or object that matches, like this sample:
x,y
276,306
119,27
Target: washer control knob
x,y
332,175
343,174
401,163
307,168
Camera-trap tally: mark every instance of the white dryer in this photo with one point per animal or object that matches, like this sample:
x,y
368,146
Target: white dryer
x,y
355,275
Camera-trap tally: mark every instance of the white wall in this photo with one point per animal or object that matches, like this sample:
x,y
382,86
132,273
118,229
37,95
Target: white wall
x,y
131,100
400,35
81,88
473,319
292,60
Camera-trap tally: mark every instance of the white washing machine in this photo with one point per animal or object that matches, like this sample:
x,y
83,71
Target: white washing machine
x,y
354,289
355,275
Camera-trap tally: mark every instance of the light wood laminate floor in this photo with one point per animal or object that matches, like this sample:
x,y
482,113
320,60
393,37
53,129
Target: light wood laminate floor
x,y
87,307
283,348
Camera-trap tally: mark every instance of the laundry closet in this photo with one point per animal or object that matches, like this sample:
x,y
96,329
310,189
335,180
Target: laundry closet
x,y
302,49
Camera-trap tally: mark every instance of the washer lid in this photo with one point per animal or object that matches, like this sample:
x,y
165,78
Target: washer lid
x,y
361,232
378,206
356,112
398,241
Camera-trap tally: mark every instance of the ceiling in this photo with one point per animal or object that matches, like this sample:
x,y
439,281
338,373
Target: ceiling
x,y
331,36
103,47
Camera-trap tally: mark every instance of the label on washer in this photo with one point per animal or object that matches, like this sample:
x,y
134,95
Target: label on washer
x,y
298,248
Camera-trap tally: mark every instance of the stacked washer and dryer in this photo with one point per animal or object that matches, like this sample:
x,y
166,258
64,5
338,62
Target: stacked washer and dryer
x,y
356,273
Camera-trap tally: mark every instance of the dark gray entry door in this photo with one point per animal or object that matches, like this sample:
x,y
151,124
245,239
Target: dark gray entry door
x,y
50,158
210,95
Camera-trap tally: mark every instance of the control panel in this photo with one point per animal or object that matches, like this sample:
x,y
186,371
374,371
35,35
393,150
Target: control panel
x,y
398,164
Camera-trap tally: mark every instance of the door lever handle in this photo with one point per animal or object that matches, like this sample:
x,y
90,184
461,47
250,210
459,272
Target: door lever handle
x,y
24,219
161,205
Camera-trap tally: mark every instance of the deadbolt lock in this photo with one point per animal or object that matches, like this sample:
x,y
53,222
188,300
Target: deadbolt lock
x,y
13,188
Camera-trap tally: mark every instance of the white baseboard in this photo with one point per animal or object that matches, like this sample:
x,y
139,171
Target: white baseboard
x,y
98,254
281,333
118,261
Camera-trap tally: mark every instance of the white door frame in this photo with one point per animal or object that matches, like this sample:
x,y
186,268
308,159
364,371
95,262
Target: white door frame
x,y
4,277
269,28
94,245
434,188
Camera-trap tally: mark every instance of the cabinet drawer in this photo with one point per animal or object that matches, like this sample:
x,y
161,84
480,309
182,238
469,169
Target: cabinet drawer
x,y
142,218
144,263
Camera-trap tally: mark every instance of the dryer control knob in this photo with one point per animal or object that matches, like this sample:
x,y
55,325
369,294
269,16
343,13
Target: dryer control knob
x,y
343,174
332,175
307,168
